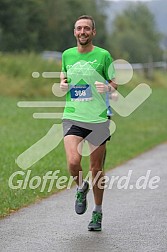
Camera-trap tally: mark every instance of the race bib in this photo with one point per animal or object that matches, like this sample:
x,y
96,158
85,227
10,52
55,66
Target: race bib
x,y
81,92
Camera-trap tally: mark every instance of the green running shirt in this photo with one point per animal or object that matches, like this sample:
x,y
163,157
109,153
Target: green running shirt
x,y
83,102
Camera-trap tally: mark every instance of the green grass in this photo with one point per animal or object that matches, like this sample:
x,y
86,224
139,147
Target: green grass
x,y
143,129
16,75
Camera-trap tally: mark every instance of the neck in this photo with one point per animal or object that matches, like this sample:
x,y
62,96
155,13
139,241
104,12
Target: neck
x,y
85,48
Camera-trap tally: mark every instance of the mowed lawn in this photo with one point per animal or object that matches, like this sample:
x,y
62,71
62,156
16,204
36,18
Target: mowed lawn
x,y
142,130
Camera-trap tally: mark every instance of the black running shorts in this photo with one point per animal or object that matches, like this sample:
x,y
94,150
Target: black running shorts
x,y
95,133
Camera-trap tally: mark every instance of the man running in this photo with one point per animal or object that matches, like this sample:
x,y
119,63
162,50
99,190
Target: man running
x,y
85,70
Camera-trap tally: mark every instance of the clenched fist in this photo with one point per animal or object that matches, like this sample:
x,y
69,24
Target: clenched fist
x,y
101,87
64,85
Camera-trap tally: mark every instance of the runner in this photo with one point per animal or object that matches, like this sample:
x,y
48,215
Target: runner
x,y
85,70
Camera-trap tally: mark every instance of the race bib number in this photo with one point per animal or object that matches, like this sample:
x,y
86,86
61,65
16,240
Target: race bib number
x,y
81,92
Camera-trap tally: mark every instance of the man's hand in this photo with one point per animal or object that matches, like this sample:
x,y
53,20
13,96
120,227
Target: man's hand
x,y
101,87
64,85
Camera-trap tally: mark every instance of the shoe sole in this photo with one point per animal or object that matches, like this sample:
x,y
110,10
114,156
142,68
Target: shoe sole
x,y
94,229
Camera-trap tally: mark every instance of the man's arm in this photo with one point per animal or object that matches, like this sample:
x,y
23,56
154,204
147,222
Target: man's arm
x,y
112,85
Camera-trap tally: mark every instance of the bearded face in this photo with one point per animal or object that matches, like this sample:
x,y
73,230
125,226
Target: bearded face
x,y
84,32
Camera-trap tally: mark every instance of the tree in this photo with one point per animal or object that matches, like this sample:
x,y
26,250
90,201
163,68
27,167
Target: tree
x,y
61,17
45,25
21,24
134,37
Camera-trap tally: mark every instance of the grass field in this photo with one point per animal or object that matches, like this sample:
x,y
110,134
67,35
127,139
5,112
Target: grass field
x,y
140,131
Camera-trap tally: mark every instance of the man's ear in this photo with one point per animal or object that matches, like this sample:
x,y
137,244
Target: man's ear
x,y
94,32
74,33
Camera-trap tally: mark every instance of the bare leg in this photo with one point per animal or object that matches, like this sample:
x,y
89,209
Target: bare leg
x,y
96,167
73,157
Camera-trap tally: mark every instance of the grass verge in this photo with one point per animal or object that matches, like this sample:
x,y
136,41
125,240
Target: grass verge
x,y
143,129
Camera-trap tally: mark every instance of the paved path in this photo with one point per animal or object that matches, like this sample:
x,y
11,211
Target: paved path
x,y
135,220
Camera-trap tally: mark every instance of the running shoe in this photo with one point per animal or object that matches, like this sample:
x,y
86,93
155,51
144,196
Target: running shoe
x,y
95,223
81,201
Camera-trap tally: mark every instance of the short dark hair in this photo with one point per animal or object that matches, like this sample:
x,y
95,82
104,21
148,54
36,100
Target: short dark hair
x,y
87,17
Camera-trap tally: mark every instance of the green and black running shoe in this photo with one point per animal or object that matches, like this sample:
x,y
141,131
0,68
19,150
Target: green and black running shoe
x,y
95,223
81,201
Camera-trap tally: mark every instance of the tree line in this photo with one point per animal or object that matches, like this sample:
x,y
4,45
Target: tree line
x,y
37,25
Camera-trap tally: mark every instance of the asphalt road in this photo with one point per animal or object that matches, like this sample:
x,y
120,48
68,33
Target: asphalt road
x,y
135,219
